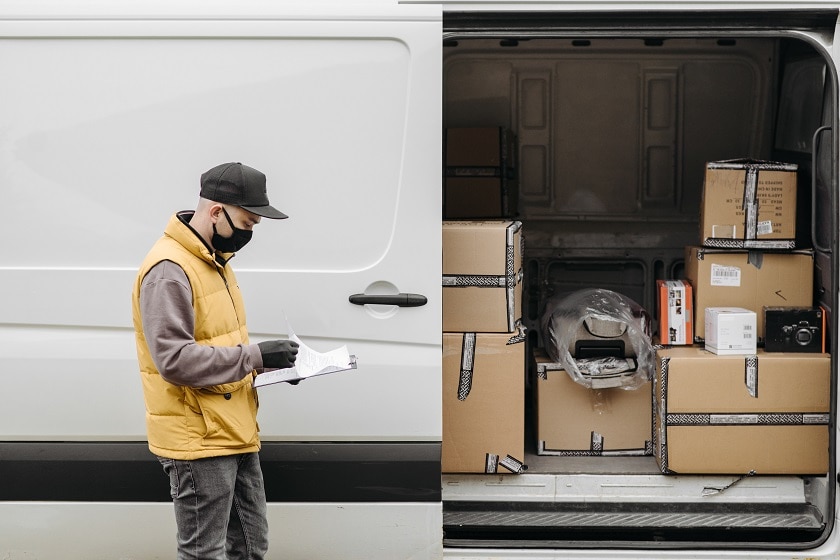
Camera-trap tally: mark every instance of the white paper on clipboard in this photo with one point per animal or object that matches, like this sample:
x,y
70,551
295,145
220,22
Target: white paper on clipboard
x,y
309,363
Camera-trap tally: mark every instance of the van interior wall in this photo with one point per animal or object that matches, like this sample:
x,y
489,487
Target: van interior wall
x,y
805,113
613,137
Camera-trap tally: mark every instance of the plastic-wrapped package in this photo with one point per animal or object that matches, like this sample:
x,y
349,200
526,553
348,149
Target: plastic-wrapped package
x,y
601,337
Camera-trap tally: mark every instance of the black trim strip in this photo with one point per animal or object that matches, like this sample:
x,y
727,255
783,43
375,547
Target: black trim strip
x,y
294,472
510,23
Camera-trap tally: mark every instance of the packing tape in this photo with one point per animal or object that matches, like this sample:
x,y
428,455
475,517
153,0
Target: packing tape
x,y
751,375
596,442
491,463
750,202
467,364
513,465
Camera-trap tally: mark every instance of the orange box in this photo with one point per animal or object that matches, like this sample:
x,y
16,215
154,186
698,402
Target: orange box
x,y
676,312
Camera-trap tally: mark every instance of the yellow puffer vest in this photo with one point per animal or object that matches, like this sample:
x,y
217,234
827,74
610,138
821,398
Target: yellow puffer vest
x,y
190,423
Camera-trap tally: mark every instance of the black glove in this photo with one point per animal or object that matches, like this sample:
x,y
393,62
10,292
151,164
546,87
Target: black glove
x,y
278,353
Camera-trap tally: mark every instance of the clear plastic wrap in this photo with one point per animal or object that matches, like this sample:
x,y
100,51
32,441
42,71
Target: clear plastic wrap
x,y
600,337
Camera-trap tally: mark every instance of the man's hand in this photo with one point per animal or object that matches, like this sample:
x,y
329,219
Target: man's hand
x,y
278,353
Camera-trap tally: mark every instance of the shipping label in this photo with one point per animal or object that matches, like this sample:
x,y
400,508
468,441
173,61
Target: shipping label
x,y
764,227
725,275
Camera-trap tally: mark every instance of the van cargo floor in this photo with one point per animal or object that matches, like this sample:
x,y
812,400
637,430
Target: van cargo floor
x,y
548,510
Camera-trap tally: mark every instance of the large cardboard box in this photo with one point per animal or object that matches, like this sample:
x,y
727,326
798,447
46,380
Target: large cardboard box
x,y
480,173
573,420
748,279
483,403
749,204
766,413
482,276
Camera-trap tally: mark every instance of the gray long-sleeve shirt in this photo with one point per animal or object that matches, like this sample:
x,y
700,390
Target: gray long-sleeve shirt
x,y
168,324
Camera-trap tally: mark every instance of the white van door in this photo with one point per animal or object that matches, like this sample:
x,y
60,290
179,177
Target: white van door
x,y
108,115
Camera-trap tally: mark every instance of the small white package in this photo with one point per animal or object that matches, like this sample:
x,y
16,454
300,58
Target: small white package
x,y
730,330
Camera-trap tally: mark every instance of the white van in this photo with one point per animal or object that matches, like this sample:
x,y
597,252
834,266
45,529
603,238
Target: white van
x,y
109,112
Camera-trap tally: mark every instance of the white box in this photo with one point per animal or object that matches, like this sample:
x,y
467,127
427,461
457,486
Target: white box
x,y
730,330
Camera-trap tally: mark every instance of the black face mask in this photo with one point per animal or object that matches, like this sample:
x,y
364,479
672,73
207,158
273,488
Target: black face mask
x,y
233,243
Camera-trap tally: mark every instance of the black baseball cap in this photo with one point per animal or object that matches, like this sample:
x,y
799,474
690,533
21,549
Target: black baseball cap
x,y
239,185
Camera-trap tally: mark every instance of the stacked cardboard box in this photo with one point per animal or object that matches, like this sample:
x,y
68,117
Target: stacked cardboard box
x,y
483,347
747,232
573,420
483,403
766,413
749,204
482,276
757,411
748,279
480,173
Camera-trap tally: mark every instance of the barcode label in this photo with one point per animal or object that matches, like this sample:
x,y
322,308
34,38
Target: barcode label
x,y
764,228
725,275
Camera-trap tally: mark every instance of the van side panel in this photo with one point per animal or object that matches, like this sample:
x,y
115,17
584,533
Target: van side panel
x,y
103,143
97,531
107,118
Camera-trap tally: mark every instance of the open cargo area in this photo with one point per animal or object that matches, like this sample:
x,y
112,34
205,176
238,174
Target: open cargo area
x,y
583,157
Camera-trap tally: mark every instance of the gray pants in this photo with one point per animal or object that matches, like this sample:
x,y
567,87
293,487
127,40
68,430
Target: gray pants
x,y
219,507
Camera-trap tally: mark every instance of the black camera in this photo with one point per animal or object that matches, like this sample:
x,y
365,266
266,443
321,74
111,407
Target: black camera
x,y
794,329
802,333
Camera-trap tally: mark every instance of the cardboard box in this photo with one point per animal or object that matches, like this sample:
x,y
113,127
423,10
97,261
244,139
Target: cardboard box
x,y
794,329
480,173
479,197
676,313
748,279
749,204
766,413
477,151
483,403
573,420
482,276
730,331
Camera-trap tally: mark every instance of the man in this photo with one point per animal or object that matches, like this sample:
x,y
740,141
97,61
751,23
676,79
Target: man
x,y
197,368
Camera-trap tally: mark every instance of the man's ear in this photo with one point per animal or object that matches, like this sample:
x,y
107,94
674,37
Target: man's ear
x,y
215,212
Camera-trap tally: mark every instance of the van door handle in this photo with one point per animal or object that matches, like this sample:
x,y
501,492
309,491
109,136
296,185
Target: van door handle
x,y
401,299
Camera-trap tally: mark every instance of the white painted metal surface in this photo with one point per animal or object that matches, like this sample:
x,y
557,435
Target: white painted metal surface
x,y
143,531
105,134
607,488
